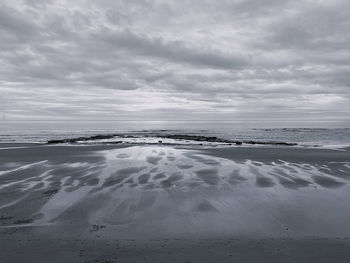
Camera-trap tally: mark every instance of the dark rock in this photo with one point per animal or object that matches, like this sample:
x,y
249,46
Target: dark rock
x,y
5,217
191,137
24,221
198,138
75,140
115,142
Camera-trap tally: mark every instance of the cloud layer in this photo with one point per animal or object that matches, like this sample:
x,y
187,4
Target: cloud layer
x,y
153,59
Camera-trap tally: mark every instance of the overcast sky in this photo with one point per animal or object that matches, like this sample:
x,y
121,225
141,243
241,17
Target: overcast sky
x,y
183,59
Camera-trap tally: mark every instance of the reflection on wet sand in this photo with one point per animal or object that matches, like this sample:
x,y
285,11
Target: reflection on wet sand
x,y
161,190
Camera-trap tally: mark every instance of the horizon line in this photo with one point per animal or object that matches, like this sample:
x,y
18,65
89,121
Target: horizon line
x,y
142,120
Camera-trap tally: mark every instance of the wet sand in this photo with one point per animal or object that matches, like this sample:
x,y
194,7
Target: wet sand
x,y
158,203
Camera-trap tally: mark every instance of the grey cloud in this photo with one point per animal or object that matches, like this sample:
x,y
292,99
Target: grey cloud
x,y
200,59
14,23
176,51
262,7
312,26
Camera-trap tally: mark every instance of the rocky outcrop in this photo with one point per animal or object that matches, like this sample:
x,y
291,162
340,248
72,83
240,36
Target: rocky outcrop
x,y
197,138
219,140
81,139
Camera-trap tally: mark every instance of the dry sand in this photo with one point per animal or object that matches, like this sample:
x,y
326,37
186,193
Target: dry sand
x,y
157,203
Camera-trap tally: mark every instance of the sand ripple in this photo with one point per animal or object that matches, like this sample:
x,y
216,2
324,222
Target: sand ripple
x,y
152,186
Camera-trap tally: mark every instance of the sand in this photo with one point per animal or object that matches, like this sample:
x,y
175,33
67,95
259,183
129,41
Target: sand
x,y
161,203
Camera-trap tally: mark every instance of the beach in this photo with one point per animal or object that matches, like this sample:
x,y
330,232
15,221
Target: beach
x,y
173,203
174,131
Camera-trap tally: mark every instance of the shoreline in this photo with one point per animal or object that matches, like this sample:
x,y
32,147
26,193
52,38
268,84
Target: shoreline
x,y
109,203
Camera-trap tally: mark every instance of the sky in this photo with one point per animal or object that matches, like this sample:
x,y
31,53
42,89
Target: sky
x,y
175,60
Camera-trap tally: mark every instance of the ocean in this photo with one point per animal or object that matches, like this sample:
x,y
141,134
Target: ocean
x,y
304,133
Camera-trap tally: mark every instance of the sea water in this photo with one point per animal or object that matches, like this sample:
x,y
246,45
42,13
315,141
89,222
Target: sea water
x,y
308,133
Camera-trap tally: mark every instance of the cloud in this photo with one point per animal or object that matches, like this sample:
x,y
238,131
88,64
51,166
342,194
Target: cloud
x,y
172,51
157,60
12,22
